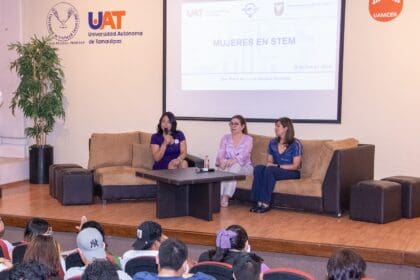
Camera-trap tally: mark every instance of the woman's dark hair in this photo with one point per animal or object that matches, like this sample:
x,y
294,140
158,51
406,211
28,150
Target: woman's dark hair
x,y
345,264
34,227
172,120
45,250
237,242
242,121
290,133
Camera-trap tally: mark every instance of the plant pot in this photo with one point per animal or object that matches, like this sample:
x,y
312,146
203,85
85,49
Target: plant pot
x,y
40,159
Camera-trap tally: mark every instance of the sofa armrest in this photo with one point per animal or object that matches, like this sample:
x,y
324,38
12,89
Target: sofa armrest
x,y
347,167
194,161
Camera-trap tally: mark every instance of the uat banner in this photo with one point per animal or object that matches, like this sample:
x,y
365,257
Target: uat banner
x,y
385,10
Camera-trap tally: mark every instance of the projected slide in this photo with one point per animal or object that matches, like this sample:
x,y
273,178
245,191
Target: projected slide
x,y
259,45
260,58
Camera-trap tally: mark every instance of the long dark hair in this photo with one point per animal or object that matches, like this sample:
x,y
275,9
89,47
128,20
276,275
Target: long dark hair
x,y
237,242
290,133
172,120
242,121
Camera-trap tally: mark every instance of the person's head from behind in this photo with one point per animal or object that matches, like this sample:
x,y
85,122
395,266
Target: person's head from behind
x,y
90,245
35,227
44,250
247,266
167,122
233,237
345,264
284,130
173,256
96,225
100,269
237,124
29,271
149,236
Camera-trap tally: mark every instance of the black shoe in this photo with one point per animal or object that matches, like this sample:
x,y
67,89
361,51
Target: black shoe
x,y
254,208
263,209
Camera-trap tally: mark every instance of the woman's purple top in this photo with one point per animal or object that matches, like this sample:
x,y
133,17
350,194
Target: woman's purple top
x,y
241,152
172,150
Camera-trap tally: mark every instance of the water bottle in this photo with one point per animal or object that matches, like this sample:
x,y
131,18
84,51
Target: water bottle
x,y
206,163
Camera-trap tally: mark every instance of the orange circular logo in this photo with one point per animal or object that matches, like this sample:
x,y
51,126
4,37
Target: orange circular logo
x,y
385,10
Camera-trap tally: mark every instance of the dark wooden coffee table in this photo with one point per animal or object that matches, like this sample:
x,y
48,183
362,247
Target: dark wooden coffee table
x,y
184,192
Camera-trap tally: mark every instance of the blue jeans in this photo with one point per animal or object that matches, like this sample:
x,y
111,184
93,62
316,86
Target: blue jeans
x,y
265,178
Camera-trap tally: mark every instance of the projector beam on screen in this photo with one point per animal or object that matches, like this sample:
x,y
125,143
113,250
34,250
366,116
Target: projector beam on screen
x,y
262,59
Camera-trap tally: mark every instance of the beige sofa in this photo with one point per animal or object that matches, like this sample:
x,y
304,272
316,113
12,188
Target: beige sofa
x,y
114,159
329,168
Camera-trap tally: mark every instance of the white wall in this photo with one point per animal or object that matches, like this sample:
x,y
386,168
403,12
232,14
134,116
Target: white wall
x,y
12,140
119,88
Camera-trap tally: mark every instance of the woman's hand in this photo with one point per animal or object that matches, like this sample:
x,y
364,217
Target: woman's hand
x,y
230,162
271,164
222,164
167,139
6,263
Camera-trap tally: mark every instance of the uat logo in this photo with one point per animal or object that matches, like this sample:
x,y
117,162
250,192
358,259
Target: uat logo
x,y
111,19
385,10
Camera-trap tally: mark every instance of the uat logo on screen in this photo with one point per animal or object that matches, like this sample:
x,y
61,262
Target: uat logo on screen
x,y
385,10
111,19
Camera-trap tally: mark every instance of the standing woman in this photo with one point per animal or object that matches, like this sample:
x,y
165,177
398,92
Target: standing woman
x,y
284,161
234,155
168,145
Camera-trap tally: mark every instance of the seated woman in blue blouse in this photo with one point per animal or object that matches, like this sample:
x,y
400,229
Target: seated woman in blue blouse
x,y
283,162
168,145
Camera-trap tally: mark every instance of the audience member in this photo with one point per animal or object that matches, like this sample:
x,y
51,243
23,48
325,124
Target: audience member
x,y
2,231
247,266
345,264
230,243
46,251
29,271
172,262
99,270
234,155
168,145
34,227
73,257
149,238
284,161
91,246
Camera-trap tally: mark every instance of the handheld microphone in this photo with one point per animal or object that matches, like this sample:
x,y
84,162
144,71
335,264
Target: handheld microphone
x,y
166,131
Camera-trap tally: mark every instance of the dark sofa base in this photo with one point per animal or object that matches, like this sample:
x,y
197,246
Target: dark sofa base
x,y
286,201
121,192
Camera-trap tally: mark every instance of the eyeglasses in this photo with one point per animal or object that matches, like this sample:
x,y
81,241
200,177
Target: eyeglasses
x,y
234,124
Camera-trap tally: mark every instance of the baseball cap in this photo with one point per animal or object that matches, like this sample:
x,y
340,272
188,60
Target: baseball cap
x,y
147,233
91,244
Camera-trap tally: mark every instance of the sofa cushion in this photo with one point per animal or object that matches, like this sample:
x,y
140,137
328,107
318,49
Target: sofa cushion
x,y
142,156
119,175
111,149
304,187
311,153
326,153
145,137
259,149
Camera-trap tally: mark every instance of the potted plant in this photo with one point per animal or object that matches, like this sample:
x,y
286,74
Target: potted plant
x,y
40,97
